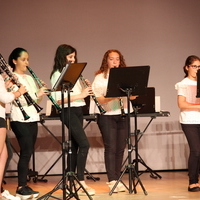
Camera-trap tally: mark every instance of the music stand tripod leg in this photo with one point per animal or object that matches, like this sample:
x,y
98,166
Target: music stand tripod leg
x,y
153,174
130,167
69,181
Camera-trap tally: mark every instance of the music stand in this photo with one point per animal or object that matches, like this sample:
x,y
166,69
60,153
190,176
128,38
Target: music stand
x,y
66,82
198,84
129,81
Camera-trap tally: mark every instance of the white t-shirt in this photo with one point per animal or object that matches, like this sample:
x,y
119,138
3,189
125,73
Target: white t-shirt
x,y
99,87
16,114
188,89
77,89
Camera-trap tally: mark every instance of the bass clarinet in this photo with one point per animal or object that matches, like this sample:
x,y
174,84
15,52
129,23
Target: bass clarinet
x,y
41,85
29,100
101,110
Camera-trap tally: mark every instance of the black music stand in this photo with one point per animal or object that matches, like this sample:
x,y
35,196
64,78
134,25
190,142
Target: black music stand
x,y
198,84
129,81
66,82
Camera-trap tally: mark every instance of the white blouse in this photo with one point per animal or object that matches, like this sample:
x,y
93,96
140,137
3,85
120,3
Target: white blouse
x,y
188,89
99,87
77,89
16,114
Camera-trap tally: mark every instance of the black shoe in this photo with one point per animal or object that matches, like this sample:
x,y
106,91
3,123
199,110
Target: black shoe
x,y
24,193
34,193
194,189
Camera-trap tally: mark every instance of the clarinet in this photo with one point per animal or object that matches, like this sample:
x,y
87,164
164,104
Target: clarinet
x,y
101,110
22,109
25,115
41,85
123,114
29,100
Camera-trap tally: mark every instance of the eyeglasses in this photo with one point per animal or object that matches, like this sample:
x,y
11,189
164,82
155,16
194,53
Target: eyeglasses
x,y
195,66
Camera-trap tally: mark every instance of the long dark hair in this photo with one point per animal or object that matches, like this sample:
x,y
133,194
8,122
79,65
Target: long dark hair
x,y
60,59
16,53
104,65
189,61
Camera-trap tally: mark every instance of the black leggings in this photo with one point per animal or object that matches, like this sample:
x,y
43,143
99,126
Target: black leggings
x,y
114,130
79,141
192,133
26,134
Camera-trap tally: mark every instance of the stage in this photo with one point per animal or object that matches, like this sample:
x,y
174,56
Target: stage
x,y
173,185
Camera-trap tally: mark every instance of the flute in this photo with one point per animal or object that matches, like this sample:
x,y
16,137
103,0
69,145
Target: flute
x,y
41,85
101,110
29,100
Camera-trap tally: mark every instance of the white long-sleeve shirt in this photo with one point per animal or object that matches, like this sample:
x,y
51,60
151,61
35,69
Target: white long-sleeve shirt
x,y
5,97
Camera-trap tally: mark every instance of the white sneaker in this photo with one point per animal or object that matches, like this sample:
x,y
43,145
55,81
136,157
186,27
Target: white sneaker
x,y
111,185
9,196
121,187
90,191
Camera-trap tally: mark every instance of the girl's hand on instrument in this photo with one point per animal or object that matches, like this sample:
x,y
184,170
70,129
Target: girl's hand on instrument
x,y
8,83
42,91
43,83
59,102
88,82
133,97
22,89
87,92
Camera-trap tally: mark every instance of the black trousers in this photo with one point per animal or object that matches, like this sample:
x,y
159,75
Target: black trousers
x,y
192,133
114,130
79,141
26,134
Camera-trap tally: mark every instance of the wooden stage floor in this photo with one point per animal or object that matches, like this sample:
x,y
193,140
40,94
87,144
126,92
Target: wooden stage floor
x,y
172,186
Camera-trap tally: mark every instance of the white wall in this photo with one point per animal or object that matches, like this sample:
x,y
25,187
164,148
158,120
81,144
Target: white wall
x,y
159,33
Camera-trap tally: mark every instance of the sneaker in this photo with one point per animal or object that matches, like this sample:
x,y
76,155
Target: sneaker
x,y
3,198
26,192
89,190
9,196
23,193
111,185
121,187
35,193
